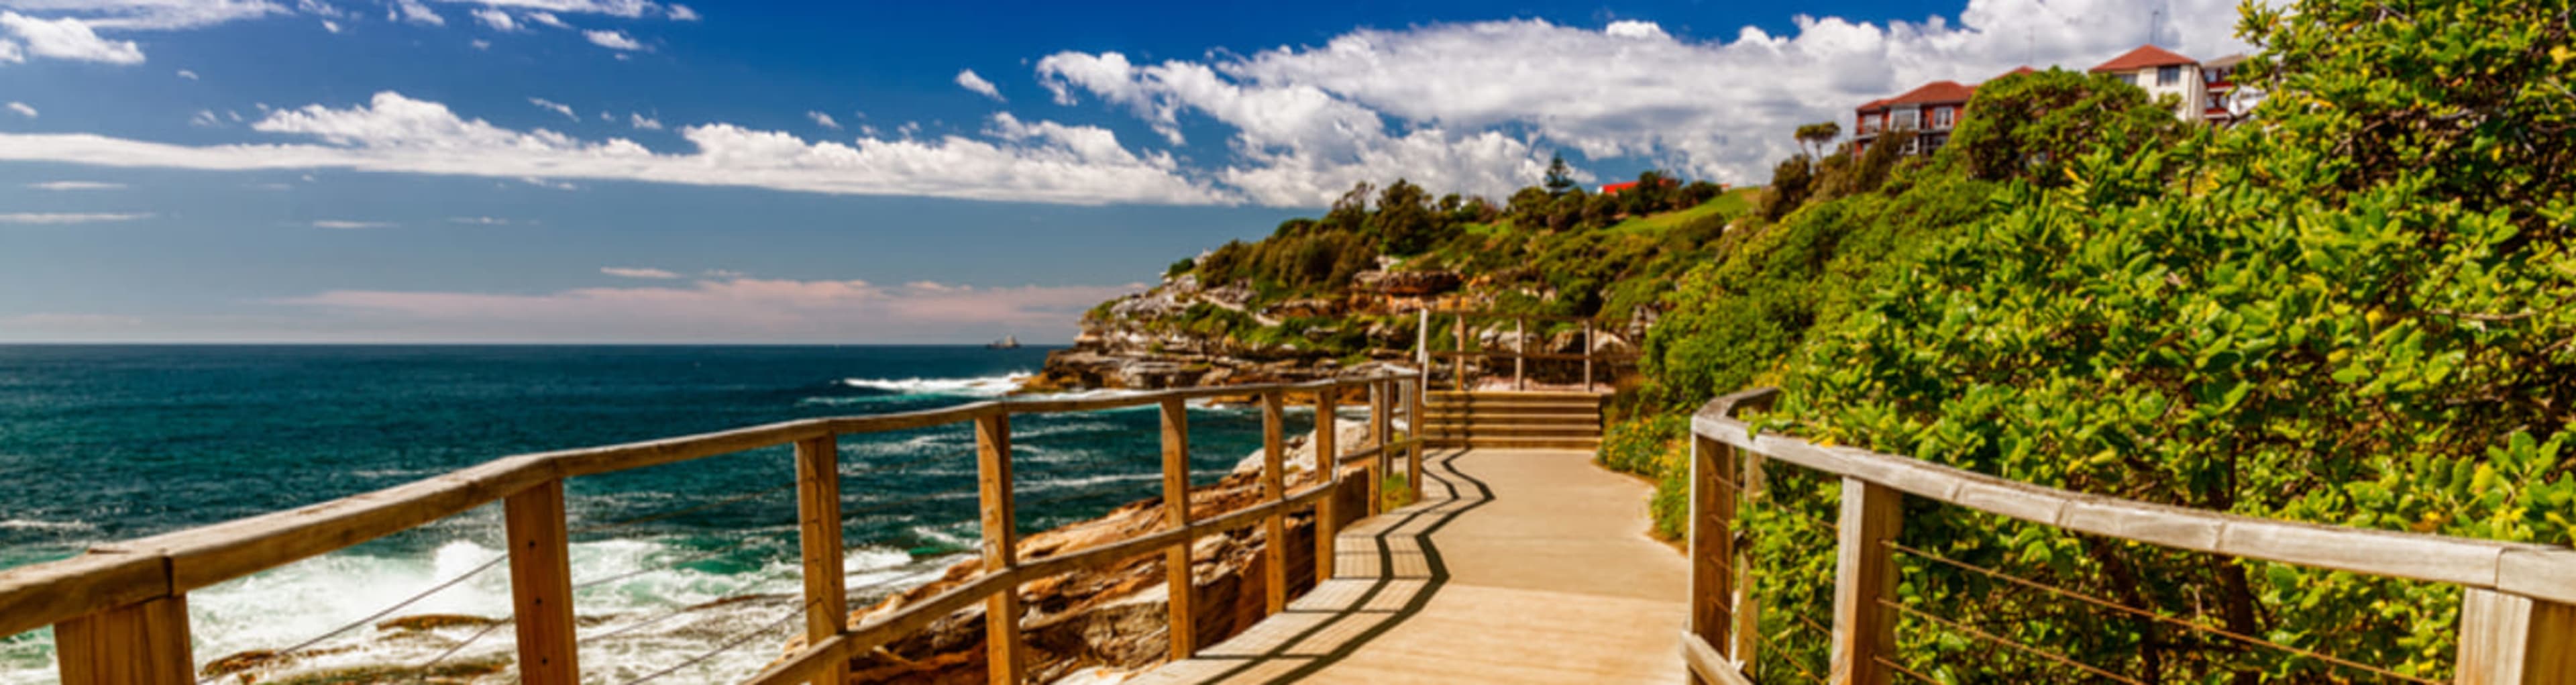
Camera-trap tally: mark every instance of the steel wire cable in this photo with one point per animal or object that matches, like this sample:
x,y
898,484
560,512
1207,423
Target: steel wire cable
x,y
751,495
1765,639
728,548
1900,668
882,507
729,645
649,518
381,613
1972,631
2143,613
421,672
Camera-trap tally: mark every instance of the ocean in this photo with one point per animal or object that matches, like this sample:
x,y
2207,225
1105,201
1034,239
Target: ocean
x,y
673,564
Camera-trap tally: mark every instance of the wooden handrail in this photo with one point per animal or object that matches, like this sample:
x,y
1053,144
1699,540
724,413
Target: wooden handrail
x,y
2521,615
119,600
1519,352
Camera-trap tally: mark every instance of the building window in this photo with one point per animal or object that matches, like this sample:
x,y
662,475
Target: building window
x,y
1941,117
2166,76
1907,119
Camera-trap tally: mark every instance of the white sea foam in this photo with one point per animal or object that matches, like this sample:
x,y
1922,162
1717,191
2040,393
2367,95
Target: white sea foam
x,y
32,524
287,605
1045,484
986,386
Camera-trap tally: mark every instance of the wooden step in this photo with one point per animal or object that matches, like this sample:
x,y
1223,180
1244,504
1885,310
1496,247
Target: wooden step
x,y
1512,413
1549,431
1593,423
1447,395
1524,443
1515,402
1439,409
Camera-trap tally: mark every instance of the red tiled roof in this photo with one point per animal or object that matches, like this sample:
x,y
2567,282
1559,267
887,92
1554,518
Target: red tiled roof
x,y
2144,57
1936,91
2017,71
1616,187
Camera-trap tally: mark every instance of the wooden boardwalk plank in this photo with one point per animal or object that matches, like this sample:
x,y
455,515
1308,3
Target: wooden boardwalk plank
x,y
1518,566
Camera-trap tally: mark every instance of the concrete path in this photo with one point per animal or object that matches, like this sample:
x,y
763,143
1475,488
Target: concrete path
x,y
1520,566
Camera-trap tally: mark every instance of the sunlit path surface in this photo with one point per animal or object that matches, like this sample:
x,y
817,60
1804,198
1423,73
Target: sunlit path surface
x,y
1519,566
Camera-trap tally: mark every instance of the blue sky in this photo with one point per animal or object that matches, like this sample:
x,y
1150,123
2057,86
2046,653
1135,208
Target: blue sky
x,y
636,171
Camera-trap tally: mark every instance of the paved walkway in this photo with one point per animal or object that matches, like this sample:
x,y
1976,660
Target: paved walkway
x,y
1520,566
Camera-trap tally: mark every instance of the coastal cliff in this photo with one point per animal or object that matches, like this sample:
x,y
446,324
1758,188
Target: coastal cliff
x,y
1183,333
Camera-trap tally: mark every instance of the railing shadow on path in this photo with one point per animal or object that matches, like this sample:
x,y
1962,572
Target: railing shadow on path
x,y
1375,590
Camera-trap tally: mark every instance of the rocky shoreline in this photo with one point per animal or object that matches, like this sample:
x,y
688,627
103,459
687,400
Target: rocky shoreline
x,y
1163,338
1104,625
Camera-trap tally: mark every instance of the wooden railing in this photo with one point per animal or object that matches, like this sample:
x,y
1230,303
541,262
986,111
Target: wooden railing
x,y
1519,353
2517,620
120,615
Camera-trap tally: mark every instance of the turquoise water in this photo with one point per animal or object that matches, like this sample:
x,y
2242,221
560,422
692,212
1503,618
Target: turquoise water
x,y
100,443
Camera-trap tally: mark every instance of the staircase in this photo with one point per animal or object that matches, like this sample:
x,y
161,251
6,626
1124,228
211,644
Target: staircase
x,y
1503,419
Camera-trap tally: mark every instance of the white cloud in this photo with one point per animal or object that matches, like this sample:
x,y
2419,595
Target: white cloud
x,y
497,19
189,75
393,133
637,272
1635,29
68,38
642,122
557,107
478,221
629,9
613,40
334,27
415,12
67,218
10,53
205,118
129,15
683,13
549,19
824,120
966,78
1376,104
344,224
741,308
22,109
76,185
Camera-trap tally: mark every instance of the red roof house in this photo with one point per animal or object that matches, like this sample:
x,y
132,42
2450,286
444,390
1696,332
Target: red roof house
x,y
2145,57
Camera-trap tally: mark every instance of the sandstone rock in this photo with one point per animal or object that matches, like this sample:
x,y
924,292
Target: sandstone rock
x,y
1407,283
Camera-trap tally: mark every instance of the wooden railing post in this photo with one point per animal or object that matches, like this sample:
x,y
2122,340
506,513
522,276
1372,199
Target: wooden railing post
x,y
1414,427
1587,355
1459,363
1379,427
1328,468
2512,640
1864,581
1520,353
1001,548
1712,543
1751,482
137,644
1422,340
1274,487
541,585
818,507
1176,514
